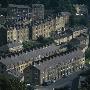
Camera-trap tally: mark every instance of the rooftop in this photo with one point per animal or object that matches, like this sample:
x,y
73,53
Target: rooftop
x,y
18,6
59,59
63,34
30,55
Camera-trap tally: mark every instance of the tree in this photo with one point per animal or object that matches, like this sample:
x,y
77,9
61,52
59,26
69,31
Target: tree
x,y
8,83
28,44
40,39
87,53
4,3
45,41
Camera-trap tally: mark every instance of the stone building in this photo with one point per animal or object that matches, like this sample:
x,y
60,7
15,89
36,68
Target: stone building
x,y
76,32
81,9
42,28
12,36
59,22
11,47
66,16
15,14
62,37
54,67
46,26
17,62
37,11
17,33
18,10
81,41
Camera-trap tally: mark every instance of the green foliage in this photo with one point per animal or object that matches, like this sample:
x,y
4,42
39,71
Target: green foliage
x,y
62,5
45,41
8,83
28,44
78,20
87,54
41,41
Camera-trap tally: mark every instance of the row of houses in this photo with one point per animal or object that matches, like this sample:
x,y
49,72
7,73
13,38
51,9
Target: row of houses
x,y
70,34
17,34
50,24
13,34
37,71
54,67
20,60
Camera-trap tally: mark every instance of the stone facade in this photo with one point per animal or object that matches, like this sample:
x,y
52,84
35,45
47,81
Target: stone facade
x,y
17,10
17,34
17,62
37,11
55,67
46,26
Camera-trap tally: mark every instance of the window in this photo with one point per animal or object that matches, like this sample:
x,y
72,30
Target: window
x,y
39,27
18,36
21,71
8,33
8,38
44,26
11,37
44,35
36,77
11,33
36,72
18,31
36,28
19,68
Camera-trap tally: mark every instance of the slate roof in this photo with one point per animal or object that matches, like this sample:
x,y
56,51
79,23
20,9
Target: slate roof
x,y
28,55
81,38
18,6
77,28
16,74
52,62
11,45
64,34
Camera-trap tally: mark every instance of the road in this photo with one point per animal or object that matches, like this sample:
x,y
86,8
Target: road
x,y
62,82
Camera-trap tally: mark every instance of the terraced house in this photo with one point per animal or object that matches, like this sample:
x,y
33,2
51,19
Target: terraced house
x,y
18,10
48,25
17,33
17,62
42,28
54,67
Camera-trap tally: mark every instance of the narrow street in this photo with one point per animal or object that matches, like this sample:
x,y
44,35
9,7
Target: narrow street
x,y
62,82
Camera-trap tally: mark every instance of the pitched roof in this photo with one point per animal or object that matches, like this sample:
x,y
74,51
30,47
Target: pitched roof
x,y
18,6
52,62
28,55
